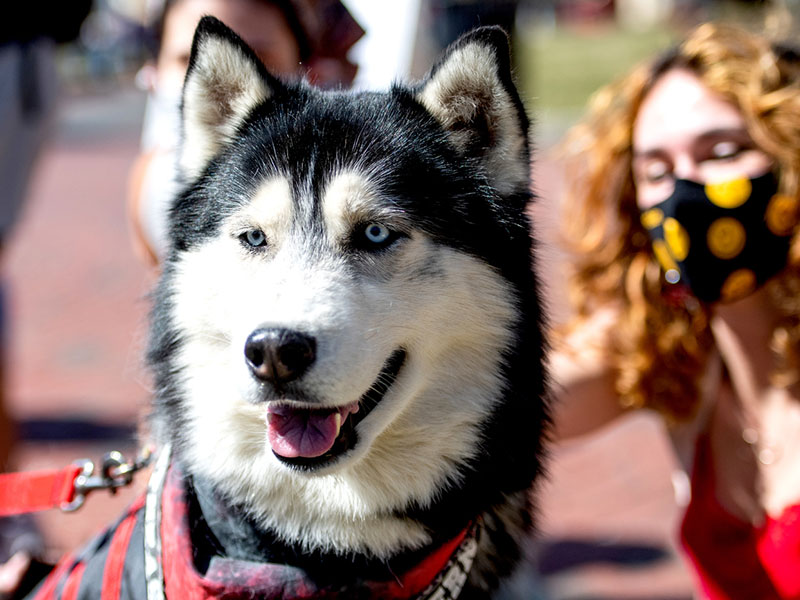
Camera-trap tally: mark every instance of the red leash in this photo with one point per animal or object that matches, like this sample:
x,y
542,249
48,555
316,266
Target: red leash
x,y
65,488
37,490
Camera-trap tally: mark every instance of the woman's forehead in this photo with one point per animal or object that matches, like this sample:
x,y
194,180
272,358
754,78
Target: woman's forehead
x,y
678,109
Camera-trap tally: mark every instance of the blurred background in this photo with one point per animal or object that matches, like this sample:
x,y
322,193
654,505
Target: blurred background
x,y
76,291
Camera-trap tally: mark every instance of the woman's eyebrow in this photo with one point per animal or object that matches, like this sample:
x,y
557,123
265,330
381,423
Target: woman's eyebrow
x,y
724,132
650,153
738,133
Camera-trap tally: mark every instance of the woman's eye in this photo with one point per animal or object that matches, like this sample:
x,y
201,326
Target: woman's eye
x,y
254,238
655,172
376,233
724,150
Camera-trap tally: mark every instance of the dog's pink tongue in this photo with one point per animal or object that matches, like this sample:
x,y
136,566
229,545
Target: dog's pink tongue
x,y
296,432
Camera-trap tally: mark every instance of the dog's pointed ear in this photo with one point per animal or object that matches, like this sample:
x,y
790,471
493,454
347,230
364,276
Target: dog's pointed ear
x,y
471,93
224,82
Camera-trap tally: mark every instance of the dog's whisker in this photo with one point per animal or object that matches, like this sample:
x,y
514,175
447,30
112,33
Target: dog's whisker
x,y
222,338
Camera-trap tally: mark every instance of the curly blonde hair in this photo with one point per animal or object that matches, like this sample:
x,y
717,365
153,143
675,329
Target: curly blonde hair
x,y
660,344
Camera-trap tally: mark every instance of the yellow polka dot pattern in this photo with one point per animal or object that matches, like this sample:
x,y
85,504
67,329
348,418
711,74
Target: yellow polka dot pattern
x,y
729,194
781,214
677,238
663,256
726,238
739,284
652,218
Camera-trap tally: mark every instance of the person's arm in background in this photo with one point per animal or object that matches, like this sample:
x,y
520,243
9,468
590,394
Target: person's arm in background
x,y
585,397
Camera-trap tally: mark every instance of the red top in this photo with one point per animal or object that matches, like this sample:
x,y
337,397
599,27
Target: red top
x,y
734,559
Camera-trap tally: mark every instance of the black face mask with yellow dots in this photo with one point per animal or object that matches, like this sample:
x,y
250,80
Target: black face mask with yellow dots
x,y
722,240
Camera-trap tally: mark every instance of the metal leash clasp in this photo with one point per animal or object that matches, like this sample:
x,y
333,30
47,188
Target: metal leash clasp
x,y
115,472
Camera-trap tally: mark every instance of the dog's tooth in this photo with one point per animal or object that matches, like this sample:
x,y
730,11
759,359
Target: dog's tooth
x,y
338,417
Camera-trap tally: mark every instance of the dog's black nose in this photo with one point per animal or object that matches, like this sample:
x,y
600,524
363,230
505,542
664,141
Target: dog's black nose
x,y
279,356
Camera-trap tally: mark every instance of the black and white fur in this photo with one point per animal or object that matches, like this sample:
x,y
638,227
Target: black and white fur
x,y
450,295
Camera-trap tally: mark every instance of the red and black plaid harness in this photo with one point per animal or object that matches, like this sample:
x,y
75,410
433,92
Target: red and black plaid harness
x,y
148,555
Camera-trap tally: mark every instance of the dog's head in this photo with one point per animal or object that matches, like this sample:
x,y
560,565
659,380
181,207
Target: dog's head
x,y
347,322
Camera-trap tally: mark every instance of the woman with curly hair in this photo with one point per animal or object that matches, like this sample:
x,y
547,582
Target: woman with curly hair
x,y
681,218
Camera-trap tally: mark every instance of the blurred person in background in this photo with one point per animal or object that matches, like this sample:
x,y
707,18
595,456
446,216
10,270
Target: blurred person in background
x,y
452,18
294,38
28,93
681,214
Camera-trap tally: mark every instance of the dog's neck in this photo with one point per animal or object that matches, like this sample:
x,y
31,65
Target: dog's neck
x,y
221,529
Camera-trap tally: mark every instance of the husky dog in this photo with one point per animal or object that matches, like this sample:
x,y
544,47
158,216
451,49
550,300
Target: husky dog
x,y
347,340
346,337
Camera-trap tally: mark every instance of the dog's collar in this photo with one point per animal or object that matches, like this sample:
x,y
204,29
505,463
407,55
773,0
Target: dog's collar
x,y
449,582
171,572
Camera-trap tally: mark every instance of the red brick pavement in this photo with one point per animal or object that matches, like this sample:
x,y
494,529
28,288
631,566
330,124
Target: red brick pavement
x,y
76,296
78,310
76,290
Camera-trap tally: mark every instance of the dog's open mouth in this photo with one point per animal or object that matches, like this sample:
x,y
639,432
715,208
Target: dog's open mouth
x,y
309,438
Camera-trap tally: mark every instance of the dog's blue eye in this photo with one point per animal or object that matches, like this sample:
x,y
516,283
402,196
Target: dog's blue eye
x,y
374,237
254,238
377,233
